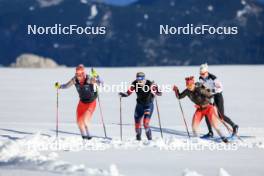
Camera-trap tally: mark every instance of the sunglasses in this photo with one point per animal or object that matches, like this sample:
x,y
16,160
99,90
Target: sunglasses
x,y
79,75
204,73
140,78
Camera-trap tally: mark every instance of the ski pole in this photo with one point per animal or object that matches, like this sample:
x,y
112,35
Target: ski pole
x,y
220,117
57,118
121,119
95,75
230,130
102,117
183,116
57,115
157,106
225,124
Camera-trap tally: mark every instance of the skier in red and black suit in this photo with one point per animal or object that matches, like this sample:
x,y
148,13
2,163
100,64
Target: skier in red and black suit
x,y
146,91
201,97
86,87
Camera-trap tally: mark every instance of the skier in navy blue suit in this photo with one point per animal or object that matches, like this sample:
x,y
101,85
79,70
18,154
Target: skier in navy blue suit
x,y
146,91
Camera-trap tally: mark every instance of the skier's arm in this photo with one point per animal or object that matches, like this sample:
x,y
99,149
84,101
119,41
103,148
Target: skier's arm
x,y
183,94
178,94
218,86
97,79
130,90
66,85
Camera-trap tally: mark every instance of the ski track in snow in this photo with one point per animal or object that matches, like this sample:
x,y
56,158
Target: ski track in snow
x,y
41,152
17,154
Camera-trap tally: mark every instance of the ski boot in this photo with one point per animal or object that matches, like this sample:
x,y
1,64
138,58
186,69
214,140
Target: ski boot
x,y
87,137
148,134
208,135
235,129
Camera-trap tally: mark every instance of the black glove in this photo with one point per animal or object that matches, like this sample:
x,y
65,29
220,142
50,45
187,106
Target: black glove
x,y
122,94
176,90
213,91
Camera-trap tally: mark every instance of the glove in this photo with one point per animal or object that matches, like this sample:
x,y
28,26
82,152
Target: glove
x,y
176,90
213,91
57,85
155,89
158,93
94,73
122,94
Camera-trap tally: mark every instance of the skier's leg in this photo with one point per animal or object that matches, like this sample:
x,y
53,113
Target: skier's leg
x,y
90,107
209,126
148,111
229,121
139,111
87,120
219,102
81,126
196,121
213,117
80,118
138,127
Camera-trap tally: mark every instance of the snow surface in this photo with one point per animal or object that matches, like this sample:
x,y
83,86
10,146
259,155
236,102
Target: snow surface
x,y
28,143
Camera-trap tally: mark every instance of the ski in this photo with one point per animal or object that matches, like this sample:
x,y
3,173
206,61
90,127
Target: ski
x,y
219,140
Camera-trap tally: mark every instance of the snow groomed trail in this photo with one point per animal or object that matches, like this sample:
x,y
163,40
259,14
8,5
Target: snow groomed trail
x,y
41,151
28,143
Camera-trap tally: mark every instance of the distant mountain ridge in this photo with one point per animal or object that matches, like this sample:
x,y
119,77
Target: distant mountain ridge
x,y
132,37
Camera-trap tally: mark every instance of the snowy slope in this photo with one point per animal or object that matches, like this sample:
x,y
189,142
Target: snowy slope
x,y
27,113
